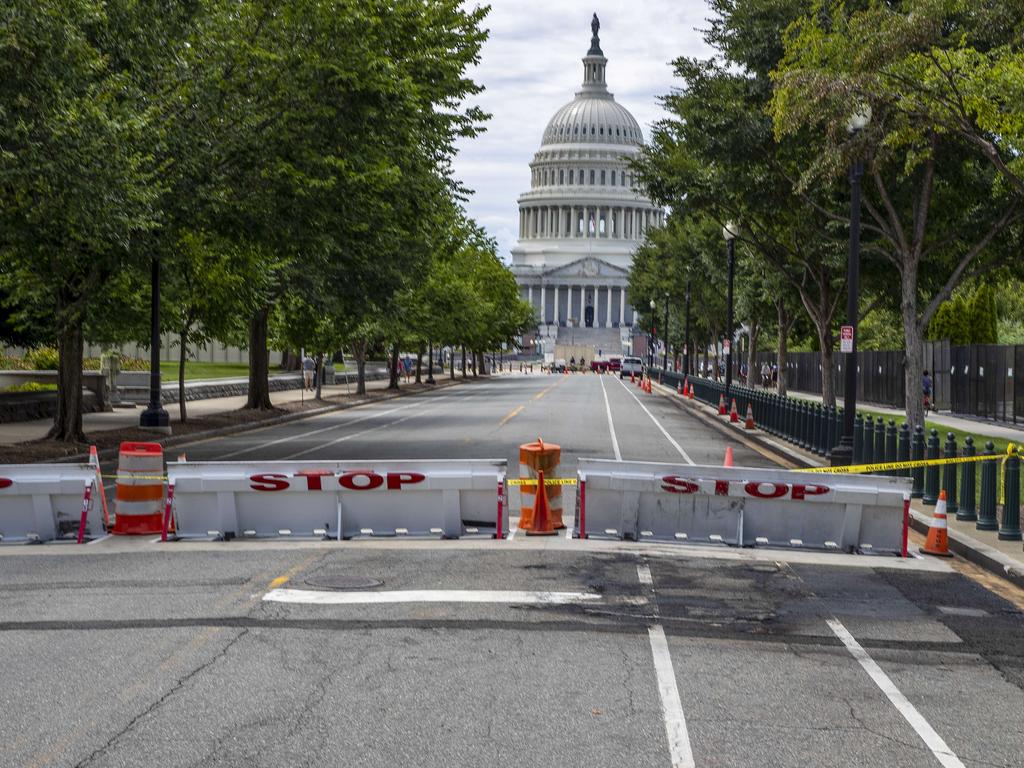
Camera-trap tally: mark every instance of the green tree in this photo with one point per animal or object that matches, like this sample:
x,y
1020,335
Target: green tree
x,y
934,208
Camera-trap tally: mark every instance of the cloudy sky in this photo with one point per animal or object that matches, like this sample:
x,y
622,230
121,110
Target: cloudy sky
x,y
531,66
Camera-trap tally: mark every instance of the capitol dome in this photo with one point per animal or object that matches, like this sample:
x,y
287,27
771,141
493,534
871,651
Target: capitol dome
x,y
583,217
591,120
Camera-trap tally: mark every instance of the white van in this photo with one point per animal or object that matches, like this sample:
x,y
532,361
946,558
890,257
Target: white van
x,y
631,365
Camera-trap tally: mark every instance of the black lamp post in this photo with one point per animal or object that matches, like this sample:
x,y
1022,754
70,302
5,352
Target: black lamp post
x,y
650,340
842,454
729,232
154,418
686,339
664,364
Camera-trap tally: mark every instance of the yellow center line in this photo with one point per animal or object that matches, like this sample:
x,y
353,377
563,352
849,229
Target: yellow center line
x,y
286,576
541,394
510,416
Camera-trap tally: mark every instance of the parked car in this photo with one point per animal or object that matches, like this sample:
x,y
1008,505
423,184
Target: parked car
x,y
630,366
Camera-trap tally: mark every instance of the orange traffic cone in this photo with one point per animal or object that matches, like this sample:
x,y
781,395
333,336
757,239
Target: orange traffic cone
x,y
734,415
721,404
543,525
749,423
691,391
728,456
632,378
649,387
937,542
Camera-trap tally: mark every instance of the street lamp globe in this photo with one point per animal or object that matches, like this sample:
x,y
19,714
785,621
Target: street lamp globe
x,y
729,231
859,120
653,305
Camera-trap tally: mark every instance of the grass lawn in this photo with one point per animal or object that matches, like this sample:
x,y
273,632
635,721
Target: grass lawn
x,y
195,369
979,438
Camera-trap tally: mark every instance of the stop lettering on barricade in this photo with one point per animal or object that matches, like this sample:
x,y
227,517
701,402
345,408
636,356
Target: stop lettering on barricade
x,y
338,500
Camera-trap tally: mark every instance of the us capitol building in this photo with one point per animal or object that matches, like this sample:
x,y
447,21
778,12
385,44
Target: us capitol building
x,y
583,218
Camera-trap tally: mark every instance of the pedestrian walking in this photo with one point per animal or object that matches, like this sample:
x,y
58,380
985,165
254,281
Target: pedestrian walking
x,y
926,385
308,369
766,374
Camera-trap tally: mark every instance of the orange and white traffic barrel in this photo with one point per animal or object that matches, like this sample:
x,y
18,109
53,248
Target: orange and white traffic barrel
x,y
139,494
533,458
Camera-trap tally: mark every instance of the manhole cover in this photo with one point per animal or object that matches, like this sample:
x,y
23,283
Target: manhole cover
x,y
342,581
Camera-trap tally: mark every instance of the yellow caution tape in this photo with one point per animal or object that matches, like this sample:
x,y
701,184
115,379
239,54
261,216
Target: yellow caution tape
x,y
547,481
888,466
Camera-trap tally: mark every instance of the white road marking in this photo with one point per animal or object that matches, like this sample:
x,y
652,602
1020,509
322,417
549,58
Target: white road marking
x,y
310,433
312,597
675,721
343,438
611,425
677,446
643,572
934,742
679,748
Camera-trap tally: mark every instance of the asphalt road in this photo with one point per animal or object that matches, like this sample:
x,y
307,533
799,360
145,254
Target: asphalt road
x,y
133,653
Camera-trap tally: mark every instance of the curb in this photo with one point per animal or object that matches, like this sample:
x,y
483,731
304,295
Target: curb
x,y
195,437
977,552
968,547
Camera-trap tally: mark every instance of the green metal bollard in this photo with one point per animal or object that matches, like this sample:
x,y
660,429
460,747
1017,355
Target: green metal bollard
x,y
868,448
890,444
949,474
858,439
829,439
1010,529
880,440
931,474
820,414
989,479
917,454
903,448
967,508
837,427
804,425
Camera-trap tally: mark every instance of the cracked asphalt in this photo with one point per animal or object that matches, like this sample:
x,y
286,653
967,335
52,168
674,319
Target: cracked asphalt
x,y
130,653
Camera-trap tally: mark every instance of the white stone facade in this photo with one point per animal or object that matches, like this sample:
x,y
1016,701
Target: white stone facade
x,y
583,217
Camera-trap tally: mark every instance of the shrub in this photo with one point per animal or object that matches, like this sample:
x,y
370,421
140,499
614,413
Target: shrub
x,y
31,386
43,359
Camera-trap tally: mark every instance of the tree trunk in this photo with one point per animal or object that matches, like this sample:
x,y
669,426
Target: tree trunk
x,y
472,357
752,375
67,423
359,352
464,373
913,333
785,323
419,363
828,391
452,361
319,372
182,355
393,382
259,363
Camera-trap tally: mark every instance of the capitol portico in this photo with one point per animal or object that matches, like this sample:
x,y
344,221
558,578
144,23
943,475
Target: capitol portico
x,y
584,216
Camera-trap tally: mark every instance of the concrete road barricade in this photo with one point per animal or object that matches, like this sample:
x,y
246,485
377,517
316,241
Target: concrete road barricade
x,y
49,502
339,500
740,506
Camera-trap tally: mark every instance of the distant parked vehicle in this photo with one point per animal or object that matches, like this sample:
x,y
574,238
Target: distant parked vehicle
x,y
630,366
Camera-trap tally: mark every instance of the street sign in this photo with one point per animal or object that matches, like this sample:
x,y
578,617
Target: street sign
x,y
846,338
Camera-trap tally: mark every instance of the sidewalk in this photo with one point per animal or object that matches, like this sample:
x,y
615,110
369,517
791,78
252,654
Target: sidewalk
x,y
121,418
983,548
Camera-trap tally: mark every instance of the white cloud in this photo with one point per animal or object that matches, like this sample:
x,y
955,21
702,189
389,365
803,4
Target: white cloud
x,y
531,66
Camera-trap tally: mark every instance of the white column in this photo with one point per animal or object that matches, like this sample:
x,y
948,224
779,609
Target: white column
x,y
608,310
560,232
622,307
529,298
